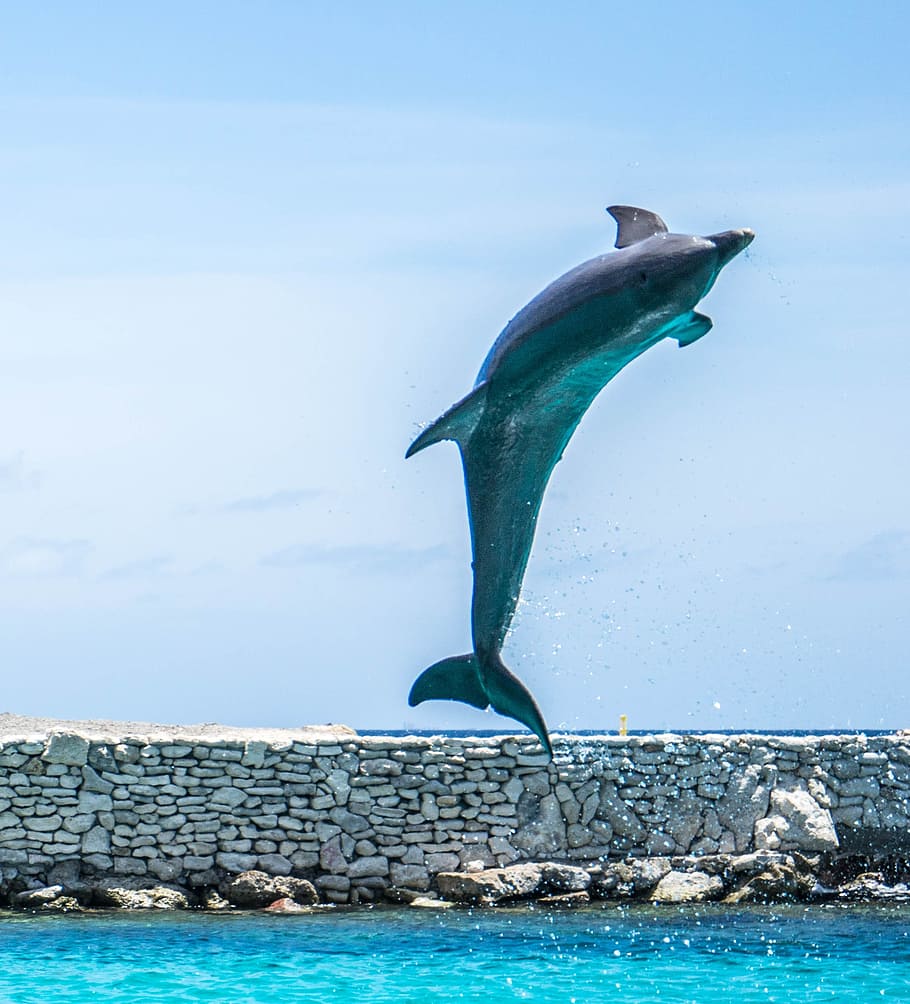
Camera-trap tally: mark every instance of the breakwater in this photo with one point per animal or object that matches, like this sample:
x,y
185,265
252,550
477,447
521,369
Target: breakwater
x,y
361,815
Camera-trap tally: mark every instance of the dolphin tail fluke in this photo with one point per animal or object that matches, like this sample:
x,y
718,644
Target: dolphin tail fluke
x,y
455,679
510,697
457,423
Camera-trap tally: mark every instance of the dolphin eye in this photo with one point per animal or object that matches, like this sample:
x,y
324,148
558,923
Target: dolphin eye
x,y
642,278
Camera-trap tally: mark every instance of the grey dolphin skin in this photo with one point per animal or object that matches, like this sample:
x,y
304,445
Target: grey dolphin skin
x,y
541,375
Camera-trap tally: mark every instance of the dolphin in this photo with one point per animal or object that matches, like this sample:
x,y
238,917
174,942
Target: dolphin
x,y
539,378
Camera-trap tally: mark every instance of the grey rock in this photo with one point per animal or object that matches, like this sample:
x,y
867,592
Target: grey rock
x,y
92,781
491,886
377,865
629,878
807,826
777,883
545,832
33,899
274,864
349,822
236,862
96,841
745,802
563,878
130,896
255,890
687,887
62,747
410,876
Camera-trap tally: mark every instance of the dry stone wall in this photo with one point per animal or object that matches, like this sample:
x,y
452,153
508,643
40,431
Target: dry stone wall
x,y
358,814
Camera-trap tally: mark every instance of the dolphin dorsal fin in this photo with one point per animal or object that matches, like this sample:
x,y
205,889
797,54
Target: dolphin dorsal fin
x,y
634,225
457,423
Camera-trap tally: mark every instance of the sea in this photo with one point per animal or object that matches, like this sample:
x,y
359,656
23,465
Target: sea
x,y
594,954
630,953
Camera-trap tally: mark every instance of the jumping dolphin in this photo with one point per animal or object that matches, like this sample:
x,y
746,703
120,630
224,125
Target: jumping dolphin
x,y
541,375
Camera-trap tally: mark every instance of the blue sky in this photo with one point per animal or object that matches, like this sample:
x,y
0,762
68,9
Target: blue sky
x,y
248,249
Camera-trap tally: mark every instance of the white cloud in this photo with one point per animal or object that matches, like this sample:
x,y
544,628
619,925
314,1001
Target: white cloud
x,y
16,475
44,557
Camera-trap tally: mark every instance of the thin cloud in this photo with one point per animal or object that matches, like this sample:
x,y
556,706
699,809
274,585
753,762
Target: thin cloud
x,y
37,556
16,476
882,557
285,499
141,568
364,557
268,503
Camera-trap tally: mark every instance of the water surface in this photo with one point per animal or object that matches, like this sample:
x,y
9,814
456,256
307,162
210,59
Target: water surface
x,y
702,955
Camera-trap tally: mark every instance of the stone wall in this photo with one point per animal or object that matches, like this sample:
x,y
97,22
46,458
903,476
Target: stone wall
x,y
360,814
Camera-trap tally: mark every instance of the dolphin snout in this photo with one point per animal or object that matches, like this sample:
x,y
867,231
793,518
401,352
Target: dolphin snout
x,y
731,242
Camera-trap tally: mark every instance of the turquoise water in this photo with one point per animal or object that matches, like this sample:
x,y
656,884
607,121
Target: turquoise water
x,y
693,954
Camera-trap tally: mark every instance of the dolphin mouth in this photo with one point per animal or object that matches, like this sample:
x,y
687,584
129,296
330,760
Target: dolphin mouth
x,y
731,242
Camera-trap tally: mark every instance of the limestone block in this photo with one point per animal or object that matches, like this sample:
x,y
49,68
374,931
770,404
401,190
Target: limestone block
x,y
378,865
92,781
274,864
235,862
495,885
228,796
95,802
42,824
808,827
349,822
197,863
442,861
545,833
868,787
128,866
410,877
687,887
66,749
331,856
562,878
779,882
745,802
124,897
165,871
623,821
97,840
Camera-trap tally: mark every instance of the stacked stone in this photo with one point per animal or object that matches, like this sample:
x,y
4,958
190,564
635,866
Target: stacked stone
x,y
363,816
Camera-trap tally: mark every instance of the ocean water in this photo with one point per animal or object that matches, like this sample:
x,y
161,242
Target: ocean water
x,y
703,954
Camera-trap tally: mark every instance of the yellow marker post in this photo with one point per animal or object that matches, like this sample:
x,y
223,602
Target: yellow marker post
x,y
623,725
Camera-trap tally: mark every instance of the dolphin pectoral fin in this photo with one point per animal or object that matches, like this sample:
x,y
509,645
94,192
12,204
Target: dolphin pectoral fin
x,y
455,679
510,697
457,423
634,225
694,327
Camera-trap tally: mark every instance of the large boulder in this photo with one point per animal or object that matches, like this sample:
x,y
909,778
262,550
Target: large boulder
x,y
515,882
624,879
687,887
492,885
118,894
255,890
798,822
779,882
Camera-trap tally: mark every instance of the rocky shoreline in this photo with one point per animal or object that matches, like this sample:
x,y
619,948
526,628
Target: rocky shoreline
x,y
106,815
763,877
